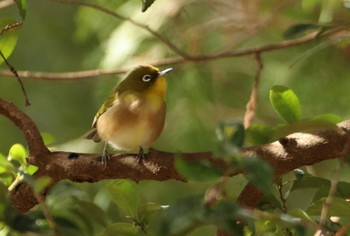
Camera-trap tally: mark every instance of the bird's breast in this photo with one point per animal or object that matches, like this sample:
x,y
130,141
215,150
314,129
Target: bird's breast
x,y
134,120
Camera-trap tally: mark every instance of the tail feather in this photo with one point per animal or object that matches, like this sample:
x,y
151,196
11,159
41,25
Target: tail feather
x,y
92,134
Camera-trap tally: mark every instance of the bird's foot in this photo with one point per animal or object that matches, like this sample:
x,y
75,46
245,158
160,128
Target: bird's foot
x,y
106,156
141,155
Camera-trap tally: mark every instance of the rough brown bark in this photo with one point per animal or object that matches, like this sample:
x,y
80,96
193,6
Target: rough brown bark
x,y
293,151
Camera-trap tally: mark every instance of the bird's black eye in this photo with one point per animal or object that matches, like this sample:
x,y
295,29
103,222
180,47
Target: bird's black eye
x,y
146,78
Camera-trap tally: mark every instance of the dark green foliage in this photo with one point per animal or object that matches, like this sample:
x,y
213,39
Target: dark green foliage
x,y
258,172
197,170
230,135
298,30
188,213
22,8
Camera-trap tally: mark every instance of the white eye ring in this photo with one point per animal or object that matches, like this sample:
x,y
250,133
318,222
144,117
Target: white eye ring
x,y
146,78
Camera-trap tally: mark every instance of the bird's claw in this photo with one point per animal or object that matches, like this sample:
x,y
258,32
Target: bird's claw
x,y
141,155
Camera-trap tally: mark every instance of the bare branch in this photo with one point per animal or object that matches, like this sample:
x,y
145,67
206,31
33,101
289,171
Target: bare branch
x,y
332,190
253,100
14,72
327,203
296,150
166,41
171,61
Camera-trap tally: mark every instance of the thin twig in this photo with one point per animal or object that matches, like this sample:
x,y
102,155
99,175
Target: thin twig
x,y
47,214
281,195
10,27
284,206
253,100
327,203
14,72
332,191
168,61
166,41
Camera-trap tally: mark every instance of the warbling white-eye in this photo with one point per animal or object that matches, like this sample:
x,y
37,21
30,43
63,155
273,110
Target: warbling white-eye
x,y
133,116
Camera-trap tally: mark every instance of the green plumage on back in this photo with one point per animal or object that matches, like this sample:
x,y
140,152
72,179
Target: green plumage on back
x,y
92,134
105,106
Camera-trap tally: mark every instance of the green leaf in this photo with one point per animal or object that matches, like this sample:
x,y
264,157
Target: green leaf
x,y
328,117
22,7
189,213
270,202
258,172
343,189
182,216
18,153
41,183
31,169
20,222
298,30
124,229
125,195
6,166
197,170
309,181
338,207
306,125
3,201
286,103
72,221
299,213
149,210
223,214
231,134
258,134
146,4
82,220
9,30
93,211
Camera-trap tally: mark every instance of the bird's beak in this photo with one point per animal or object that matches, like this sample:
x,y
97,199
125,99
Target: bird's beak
x,y
164,72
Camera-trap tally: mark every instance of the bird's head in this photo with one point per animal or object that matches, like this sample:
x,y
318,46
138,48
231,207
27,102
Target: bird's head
x,y
145,79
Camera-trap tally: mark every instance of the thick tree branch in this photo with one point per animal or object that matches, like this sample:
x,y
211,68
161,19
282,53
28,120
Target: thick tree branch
x,y
290,152
27,126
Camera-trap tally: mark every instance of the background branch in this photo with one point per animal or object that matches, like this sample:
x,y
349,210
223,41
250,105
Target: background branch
x,y
161,38
253,100
173,60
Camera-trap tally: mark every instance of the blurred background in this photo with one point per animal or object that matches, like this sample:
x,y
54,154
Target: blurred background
x,y
58,37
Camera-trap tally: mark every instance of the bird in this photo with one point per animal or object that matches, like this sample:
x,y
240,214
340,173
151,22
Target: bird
x,y
133,116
